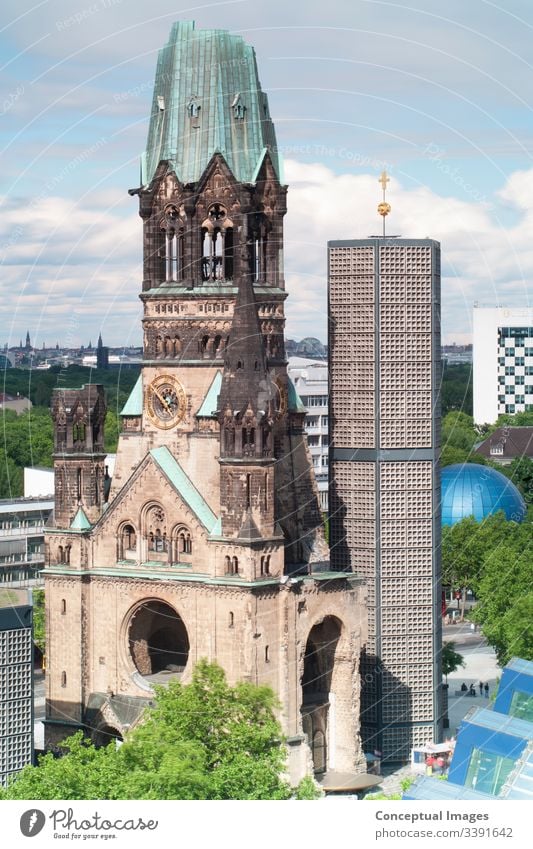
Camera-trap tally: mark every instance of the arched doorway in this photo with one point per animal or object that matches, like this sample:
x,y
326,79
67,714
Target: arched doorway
x,y
106,734
158,641
319,662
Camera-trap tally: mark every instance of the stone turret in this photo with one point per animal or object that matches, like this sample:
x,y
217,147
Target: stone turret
x,y
79,417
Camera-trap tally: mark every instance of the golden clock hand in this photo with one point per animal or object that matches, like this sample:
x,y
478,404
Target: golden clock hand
x,y
161,398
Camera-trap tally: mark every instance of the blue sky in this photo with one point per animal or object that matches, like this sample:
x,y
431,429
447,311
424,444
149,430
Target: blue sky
x,y
440,95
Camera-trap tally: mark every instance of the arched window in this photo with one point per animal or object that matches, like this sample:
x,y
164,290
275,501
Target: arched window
x,y
60,554
63,606
267,654
156,530
234,566
172,225
217,245
128,542
227,565
231,619
67,553
63,679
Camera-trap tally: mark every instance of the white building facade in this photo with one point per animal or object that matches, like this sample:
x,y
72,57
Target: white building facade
x,y
502,362
310,377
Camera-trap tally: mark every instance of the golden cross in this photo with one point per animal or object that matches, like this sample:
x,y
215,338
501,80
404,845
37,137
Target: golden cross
x,y
384,179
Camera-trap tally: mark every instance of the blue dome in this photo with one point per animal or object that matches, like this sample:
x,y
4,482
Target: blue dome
x,y
470,489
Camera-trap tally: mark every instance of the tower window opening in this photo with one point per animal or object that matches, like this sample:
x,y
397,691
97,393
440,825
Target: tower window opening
x,y
231,619
63,679
217,245
78,484
231,565
63,606
267,654
249,442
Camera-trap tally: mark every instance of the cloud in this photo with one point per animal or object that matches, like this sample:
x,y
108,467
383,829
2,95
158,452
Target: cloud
x,y
61,257
483,259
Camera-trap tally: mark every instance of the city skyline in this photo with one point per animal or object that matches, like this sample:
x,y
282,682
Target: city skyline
x,y
452,132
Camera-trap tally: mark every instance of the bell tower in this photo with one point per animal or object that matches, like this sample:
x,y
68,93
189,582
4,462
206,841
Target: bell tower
x,y
79,417
211,544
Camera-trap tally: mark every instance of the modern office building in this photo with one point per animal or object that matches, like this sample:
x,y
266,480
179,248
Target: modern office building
x,y
310,379
22,525
16,682
384,343
503,362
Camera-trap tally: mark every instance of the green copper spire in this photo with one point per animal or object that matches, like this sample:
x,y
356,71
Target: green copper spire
x,y
208,99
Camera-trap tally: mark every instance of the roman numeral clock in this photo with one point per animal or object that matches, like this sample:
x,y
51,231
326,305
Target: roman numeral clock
x,y
166,402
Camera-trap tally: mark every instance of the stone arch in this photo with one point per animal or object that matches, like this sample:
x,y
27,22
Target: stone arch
x,y
154,530
319,680
127,541
104,734
157,640
182,541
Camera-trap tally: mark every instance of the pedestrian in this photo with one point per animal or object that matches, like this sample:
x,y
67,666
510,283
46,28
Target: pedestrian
x,y
486,691
472,691
430,762
481,688
464,688
440,764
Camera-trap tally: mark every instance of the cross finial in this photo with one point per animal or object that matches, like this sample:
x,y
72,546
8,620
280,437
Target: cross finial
x,y
384,179
384,207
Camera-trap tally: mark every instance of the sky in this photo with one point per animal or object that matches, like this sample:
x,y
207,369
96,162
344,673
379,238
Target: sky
x,y
439,94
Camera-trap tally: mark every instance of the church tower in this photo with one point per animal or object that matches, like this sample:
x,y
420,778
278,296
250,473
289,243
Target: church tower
x,y
211,543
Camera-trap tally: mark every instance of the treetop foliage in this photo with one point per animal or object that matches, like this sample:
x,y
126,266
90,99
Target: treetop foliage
x,y
203,740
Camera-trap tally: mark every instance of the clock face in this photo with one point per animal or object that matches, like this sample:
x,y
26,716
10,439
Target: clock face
x,y
166,401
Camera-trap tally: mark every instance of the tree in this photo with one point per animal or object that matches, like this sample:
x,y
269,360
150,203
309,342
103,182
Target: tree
x,y
38,619
451,660
203,740
521,473
465,548
505,598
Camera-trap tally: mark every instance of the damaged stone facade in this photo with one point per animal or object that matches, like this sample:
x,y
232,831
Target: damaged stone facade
x,y
210,543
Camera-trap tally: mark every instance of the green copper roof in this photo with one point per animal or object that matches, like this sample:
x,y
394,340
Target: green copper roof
x,y
134,404
209,404
184,486
208,98
295,402
80,521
